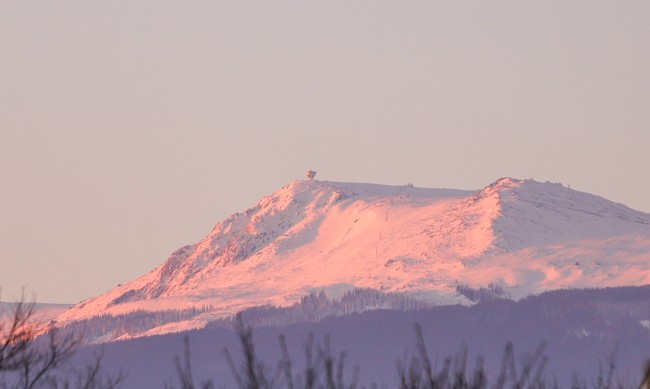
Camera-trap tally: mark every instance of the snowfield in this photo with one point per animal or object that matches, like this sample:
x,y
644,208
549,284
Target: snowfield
x,y
522,235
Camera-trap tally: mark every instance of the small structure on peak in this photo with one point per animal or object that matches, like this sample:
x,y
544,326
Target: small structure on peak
x,y
310,174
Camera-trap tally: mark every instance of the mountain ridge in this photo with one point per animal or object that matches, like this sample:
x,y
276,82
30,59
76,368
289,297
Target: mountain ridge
x,y
522,235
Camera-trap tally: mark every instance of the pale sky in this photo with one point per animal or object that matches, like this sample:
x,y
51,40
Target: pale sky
x,y
128,129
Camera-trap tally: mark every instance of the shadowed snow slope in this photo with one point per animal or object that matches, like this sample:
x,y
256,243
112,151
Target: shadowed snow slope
x,y
523,235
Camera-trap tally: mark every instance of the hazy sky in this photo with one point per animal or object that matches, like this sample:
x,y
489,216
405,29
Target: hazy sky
x,y
128,129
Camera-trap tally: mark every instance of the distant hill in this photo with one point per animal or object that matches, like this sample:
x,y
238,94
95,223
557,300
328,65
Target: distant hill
x,y
43,312
520,236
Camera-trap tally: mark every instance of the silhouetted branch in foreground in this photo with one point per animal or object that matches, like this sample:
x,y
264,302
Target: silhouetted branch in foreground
x,y
184,370
31,357
90,377
324,369
419,373
645,381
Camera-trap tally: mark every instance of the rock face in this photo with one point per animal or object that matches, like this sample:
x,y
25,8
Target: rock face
x,y
522,235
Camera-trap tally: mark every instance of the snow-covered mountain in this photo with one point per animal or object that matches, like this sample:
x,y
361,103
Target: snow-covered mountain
x,y
522,235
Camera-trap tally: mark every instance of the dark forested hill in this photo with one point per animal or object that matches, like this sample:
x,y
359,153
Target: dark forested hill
x,y
582,328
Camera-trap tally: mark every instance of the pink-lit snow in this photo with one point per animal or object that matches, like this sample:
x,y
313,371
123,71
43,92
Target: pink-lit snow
x,y
523,235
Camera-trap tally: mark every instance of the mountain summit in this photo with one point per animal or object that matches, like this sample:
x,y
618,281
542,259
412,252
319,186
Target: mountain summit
x,y
522,235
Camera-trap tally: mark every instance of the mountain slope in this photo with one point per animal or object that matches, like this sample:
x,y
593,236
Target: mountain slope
x,y
523,235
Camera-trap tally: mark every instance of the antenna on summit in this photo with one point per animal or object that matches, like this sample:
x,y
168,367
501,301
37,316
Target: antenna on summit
x,y
310,174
